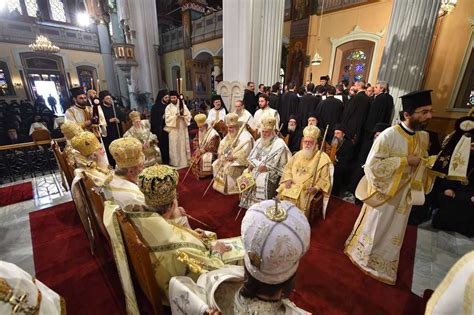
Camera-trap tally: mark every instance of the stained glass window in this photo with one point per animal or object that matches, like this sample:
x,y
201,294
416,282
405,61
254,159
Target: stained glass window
x,y
57,10
14,5
356,55
360,67
31,7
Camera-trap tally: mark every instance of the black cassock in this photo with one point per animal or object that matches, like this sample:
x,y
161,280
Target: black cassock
x,y
380,110
112,131
157,121
274,101
250,101
308,103
288,106
355,114
294,139
329,113
343,166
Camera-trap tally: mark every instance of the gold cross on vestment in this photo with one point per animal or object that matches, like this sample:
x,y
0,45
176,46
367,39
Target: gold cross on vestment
x,y
300,170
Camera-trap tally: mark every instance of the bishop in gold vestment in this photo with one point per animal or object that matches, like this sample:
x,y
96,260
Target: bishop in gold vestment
x,y
395,179
300,182
205,145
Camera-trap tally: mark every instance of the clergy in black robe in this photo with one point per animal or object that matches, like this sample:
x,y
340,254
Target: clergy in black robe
x,y
343,96
343,159
308,103
157,121
274,96
288,104
380,110
293,134
114,118
329,112
355,113
250,101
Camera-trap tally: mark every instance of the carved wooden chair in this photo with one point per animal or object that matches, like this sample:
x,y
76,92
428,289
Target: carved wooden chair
x,y
138,254
67,173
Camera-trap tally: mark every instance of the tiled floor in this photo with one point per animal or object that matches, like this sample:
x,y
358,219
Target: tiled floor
x,y
15,240
436,253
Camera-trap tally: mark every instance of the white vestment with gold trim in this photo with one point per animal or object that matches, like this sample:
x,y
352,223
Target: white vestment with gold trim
x,y
375,242
177,127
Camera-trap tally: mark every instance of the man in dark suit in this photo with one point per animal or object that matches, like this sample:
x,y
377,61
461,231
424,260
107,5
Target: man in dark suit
x,y
329,112
288,104
355,113
275,97
250,101
380,110
308,103
157,121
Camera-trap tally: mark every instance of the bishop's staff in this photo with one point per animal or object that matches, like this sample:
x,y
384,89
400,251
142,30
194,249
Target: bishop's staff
x,y
227,151
116,122
315,174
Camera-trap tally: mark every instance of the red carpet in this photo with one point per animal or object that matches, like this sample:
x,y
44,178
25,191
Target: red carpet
x,y
327,282
64,263
15,193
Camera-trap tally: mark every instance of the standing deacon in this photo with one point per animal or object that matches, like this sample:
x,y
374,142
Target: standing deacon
x,y
330,112
306,174
141,130
265,112
395,179
114,118
250,100
266,162
275,97
178,118
205,146
232,156
355,113
84,115
157,121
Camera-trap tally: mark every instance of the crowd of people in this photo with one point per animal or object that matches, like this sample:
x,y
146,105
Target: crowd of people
x,y
284,154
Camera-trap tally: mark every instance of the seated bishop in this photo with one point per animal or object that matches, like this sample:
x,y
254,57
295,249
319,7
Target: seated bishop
x,y
307,176
266,162
141,130
175,250
263,284
204,147
232,156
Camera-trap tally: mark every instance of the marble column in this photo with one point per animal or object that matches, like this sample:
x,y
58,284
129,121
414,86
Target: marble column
x,y
252,36
140,24
106,52
407,45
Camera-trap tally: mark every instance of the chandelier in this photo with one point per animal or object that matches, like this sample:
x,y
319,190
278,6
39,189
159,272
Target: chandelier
x,y
43,44
447,6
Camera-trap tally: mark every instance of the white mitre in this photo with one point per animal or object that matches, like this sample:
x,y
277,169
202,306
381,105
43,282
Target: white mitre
x,y
21,293
275,236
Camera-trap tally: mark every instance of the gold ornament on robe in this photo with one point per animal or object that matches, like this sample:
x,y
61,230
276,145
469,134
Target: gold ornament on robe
x,y
232,120
134,116
312,132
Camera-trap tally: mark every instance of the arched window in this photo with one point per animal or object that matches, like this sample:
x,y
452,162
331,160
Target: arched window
x,y
57,10
353,60
6,86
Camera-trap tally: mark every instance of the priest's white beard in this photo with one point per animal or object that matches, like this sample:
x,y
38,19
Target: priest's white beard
x,y
202,134
308,153
291,128
266,141
232,135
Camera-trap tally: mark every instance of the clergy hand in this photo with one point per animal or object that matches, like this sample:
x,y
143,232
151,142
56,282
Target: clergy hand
x,y
250,168
114,120
221,248
262,169
413,160
87,123
472,199
182,211
146,145
212,311
288,184
449,193
311,190
230,158
201,232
